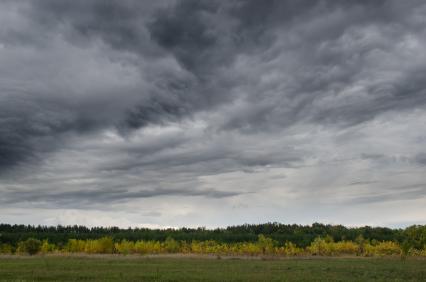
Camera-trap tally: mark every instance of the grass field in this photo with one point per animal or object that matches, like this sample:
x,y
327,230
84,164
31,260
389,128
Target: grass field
x,y
109,268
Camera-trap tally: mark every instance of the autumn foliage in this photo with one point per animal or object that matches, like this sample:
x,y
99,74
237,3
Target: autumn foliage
x,y
279,240
263,246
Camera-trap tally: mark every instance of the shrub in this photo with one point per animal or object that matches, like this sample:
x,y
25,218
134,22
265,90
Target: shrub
x,y
319,247
289,249
147,247
104,245
345,247
405,249
125,247
6,249
31,246
171,245
266,244
75,246
47,247
385,248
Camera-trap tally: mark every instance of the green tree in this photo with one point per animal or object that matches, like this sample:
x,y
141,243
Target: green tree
x,y
31,246
406,247
361,244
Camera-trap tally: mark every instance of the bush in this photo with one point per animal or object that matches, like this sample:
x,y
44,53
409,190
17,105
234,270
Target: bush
x,y
346,248
125,247
290,249
266,244
319,247
31,246
405,249
385,248
148,247
75,246
6,249
104,245
171,245
47,247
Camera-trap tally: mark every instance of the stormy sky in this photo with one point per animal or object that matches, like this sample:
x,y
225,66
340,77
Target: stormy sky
x,y
212,113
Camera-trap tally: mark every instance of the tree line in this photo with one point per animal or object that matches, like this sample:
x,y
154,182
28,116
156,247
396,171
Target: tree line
x,y
262,246
301,236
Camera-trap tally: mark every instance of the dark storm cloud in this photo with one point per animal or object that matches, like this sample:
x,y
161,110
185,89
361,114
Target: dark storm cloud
x,y
88,198
421,159
400,193
118,23
205,36
30,127
186,32
329,39
257,74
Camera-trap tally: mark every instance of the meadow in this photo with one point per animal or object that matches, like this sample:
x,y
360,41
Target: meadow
x,y
207,268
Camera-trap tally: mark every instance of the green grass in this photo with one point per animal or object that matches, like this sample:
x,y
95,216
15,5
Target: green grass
x,y
57,268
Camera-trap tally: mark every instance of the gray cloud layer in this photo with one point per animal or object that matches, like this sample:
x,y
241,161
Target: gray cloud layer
x,y
259,104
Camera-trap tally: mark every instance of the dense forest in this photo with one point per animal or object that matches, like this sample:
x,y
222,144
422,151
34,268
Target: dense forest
x,y
299,235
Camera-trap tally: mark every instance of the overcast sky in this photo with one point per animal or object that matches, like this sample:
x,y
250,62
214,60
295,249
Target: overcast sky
x,y
212,113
